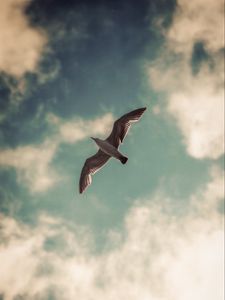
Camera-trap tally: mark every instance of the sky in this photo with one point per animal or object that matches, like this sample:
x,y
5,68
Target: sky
x,y
152,229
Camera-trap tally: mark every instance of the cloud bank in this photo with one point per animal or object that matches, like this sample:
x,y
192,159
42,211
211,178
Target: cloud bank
x,y
22,45
195,99
161,255
33,162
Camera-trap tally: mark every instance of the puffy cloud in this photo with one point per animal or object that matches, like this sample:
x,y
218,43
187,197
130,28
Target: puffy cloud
x,y
78,129
193,109
197,21
160,255
32,165
194,99
32,162
21,45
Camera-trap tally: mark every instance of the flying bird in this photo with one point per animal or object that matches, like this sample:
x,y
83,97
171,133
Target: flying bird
x,y
109,147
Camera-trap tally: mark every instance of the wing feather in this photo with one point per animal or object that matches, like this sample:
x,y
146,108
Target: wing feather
x,y
91,166
122,126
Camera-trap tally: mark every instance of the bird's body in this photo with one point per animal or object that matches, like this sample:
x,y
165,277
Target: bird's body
x,y
109,147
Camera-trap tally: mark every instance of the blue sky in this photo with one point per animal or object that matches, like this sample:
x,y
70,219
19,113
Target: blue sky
x,y
67,71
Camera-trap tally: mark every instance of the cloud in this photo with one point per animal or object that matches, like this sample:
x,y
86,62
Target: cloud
x,y
21,44
24,50
197,21
33,162
193,108
161,254
194,98
32,165
78,129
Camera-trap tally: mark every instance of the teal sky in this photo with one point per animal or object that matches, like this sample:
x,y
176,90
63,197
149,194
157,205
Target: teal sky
x,y
67,71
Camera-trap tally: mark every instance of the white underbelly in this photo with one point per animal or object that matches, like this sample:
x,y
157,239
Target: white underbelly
x,y
109,149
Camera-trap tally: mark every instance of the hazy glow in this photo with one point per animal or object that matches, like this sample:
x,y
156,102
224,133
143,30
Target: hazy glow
x,y
162,257
149,230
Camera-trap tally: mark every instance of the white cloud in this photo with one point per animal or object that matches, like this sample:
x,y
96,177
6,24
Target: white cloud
x,y
161,256
21,45
78,129
195,101
198,112
32,162
195,21
32,165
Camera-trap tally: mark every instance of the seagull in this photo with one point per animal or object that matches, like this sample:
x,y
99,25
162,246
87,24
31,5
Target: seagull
x,y
109,147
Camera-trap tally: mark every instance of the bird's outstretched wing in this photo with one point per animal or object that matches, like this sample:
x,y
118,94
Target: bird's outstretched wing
x,y
122,125
91,166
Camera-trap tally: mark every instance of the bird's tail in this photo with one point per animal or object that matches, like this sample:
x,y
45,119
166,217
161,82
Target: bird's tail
x,y
123,159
